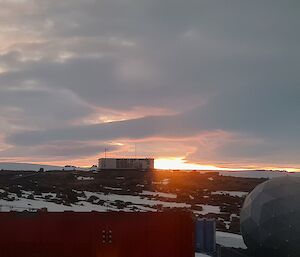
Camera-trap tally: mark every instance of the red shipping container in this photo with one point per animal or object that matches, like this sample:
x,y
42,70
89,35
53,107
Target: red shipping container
x,y
95,234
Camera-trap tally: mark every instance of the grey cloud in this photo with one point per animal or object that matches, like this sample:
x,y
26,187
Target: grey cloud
x,y
254,137
230,66
168,126
41,108
222,50
61,150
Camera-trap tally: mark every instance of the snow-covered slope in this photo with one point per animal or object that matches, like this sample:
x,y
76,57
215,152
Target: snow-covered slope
x,y
258,174
26,166
201,255
12,202
230,240
227,240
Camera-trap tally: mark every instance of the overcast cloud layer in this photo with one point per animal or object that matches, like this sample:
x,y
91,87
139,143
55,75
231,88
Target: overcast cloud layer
x,y
215,82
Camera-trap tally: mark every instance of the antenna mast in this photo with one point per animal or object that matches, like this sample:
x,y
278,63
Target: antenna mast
x,y
105,150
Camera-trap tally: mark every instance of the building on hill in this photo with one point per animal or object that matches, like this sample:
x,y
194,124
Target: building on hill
x,y
69,168
126,164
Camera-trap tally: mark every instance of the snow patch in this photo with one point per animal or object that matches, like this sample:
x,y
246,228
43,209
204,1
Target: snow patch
x,y
113,188
160,194
230,240
206,209
136,200
84,178
201,255
258,174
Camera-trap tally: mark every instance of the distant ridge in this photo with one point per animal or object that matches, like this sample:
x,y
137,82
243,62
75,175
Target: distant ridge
x,y
259,173
27,166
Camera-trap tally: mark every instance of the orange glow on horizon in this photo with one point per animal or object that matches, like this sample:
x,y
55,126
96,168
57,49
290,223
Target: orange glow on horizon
x,y
181,164
175,163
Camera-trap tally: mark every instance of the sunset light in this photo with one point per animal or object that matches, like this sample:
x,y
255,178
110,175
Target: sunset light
x,y
74,84
149,128
181,164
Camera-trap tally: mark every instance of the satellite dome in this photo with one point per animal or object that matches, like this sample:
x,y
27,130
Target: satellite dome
x,y
270,218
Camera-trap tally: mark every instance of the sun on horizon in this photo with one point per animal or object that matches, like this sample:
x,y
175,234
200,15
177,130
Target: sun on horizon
x,y
180,163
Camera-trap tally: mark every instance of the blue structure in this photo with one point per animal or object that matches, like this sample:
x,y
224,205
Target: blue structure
x,y
205,235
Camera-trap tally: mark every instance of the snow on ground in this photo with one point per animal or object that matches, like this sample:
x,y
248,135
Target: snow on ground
x,y
21,204
84,178
50,195
160,194
110,202
163,182
258,174
206,209
133,202
100,202
166,181
114,188
227,240
230,240
136,200
231,193
233,215
142,203
201,255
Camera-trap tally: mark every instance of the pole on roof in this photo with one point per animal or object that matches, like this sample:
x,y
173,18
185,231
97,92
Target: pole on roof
x,y
105,150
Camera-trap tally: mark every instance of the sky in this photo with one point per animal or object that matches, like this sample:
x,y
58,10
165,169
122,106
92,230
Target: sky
x,y
195,83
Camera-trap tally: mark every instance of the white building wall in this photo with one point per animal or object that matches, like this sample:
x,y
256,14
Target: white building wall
x,y
107,163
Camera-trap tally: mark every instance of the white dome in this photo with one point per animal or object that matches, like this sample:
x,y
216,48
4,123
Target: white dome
x,y
270,218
